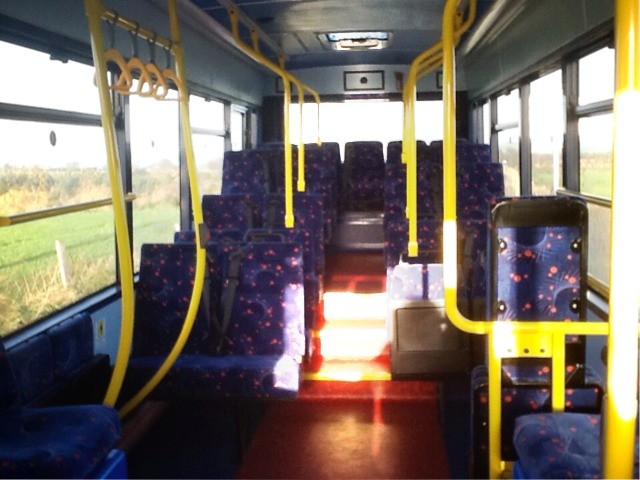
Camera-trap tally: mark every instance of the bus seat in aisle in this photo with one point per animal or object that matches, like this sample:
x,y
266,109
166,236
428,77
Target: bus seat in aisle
x,y
538,272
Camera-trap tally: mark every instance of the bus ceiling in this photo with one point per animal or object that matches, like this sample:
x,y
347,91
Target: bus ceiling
x,y
332,32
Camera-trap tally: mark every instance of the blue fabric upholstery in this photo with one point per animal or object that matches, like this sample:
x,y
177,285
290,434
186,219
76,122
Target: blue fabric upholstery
x,y
9,395
363,176
72,343
261,349
408,281
466,152
394,152
32,363
232,212
521,399
308,211
243,172
311,281
162,299
56,442
560,445
429,241
322,179
538,273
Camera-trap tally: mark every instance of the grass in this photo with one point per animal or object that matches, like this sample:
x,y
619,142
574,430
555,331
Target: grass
x,y
30,283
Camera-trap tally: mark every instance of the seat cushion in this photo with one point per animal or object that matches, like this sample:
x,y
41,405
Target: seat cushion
x,y
560,445
549,445
56,442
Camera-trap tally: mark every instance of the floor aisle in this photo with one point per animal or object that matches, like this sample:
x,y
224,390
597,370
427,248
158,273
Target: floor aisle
x,y
351,430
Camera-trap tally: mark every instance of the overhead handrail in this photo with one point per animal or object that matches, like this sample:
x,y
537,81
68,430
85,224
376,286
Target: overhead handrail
x,y
621,409
18,218
235,16
301,88
424,63
96,12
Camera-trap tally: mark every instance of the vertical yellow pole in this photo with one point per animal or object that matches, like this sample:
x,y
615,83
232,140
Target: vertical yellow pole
x,y
196,295
412,175
94,9
622,379
288,160
496,465
450,233
557,372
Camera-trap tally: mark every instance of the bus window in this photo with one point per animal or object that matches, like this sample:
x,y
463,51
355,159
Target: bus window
x,y
366,120
237,130
595,128
155,153
207,127
486,122
597,77
546,123
509,141
50,263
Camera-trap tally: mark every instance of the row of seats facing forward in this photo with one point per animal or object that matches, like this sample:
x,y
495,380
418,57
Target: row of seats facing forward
x,y
262,295
358,184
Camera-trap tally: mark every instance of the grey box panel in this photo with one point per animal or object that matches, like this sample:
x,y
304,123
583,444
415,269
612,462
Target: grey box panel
x,y
425,342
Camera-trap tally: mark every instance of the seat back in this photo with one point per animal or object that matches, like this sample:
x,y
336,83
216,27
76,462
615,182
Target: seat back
x,y
162,300
363,176
309,215
245,172
268,309
239,211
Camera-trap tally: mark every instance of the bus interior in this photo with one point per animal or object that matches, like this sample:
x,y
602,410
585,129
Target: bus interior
x,y
319,239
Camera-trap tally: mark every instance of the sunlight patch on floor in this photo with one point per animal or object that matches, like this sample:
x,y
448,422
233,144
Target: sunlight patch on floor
x,y
355,306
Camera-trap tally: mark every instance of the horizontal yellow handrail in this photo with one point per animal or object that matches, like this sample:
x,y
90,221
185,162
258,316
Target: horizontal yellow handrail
x,y
286,83
134,27
8,220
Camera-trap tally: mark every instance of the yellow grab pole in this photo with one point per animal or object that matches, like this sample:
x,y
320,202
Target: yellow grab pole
x,y
301,165
286,83
622,378
450,234
94,9
196,294
423,64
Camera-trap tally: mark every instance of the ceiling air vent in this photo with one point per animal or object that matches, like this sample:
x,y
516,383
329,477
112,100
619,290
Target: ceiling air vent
x,y
356,40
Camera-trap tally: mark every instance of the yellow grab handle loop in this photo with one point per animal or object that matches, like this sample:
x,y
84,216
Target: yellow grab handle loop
x,y
160,88
145,82
125,80
169,74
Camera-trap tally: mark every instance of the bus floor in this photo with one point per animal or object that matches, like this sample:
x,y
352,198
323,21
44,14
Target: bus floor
x,y
349,420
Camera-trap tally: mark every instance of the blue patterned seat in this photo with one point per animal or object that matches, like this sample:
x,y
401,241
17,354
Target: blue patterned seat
x,y
303,237
421,281
322,179
394,152
363,176
560,445
308,211
466,152
538,272
51,442
245,172
260,351
226,212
